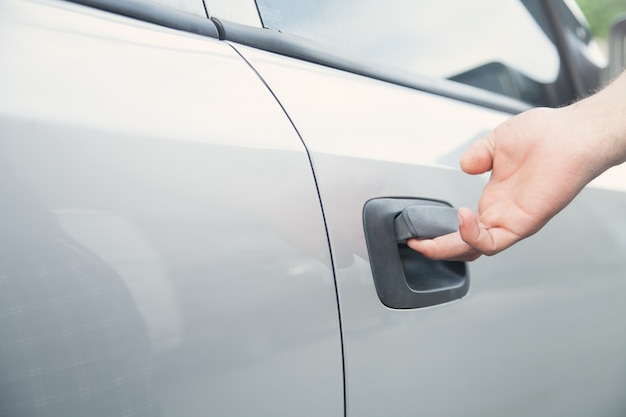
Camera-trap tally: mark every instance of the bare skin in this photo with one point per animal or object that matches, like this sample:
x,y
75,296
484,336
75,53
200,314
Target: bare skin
x,y
539,161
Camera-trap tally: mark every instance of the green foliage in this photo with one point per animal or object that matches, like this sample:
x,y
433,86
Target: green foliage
x,y
600,14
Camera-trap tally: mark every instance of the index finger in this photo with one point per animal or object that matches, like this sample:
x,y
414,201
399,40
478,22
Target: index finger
x,y
448,247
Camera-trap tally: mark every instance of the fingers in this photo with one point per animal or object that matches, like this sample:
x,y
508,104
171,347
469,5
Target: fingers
x,y
448,247
483,239
478,158
469,243
459,246
473,234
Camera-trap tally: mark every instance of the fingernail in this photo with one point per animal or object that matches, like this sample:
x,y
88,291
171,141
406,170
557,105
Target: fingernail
x,y
460,218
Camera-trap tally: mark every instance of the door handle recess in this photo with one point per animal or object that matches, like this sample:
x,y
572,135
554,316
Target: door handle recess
x,y
404,278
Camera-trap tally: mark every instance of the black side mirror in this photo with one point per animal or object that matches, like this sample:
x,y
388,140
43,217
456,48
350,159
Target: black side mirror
x,y
617,42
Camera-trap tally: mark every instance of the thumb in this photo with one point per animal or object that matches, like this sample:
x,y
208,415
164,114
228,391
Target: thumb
x,y
478,158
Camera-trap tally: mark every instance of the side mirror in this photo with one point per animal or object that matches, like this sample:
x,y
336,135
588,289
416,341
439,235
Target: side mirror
x,y
617,42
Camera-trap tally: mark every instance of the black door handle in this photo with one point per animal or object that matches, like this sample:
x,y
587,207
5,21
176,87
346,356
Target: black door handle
x,y
404,278
425,222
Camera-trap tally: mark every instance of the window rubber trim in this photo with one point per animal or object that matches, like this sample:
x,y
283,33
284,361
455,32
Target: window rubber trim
x,y
152,12
303,49
300,48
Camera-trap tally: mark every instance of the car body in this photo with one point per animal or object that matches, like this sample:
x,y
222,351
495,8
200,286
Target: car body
x,y
182,230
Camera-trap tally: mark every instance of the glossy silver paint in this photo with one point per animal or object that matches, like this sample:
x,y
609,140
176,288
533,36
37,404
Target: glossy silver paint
x,y
542,329
163,250
189,6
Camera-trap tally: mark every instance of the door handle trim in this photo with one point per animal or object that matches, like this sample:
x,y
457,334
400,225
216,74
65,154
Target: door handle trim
x,y
425,222
404,278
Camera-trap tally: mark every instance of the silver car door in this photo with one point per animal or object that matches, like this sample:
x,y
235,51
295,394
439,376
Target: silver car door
x,y
162,246
542,331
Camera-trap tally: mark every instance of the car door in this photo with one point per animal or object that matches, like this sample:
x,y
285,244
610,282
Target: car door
x,y
542,329
162,245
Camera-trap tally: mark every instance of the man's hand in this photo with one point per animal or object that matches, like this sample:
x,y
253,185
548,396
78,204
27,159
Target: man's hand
x,y
539,161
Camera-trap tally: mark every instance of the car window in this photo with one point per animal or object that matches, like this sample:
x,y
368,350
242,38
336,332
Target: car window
x,y
495,44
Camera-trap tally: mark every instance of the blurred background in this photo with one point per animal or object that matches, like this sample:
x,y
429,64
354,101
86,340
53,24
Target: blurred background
x,y
600,14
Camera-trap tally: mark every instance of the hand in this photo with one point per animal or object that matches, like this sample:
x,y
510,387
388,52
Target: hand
x,y
540,160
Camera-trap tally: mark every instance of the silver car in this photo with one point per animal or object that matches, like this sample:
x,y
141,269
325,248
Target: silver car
x,y
199,204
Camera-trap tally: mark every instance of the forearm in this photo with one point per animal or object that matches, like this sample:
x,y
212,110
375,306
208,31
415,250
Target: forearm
x,y
600,120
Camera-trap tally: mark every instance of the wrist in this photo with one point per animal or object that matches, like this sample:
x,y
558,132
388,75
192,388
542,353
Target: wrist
x,y
599,121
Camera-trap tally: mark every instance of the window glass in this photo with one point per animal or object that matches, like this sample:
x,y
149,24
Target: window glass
x,y
448,39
